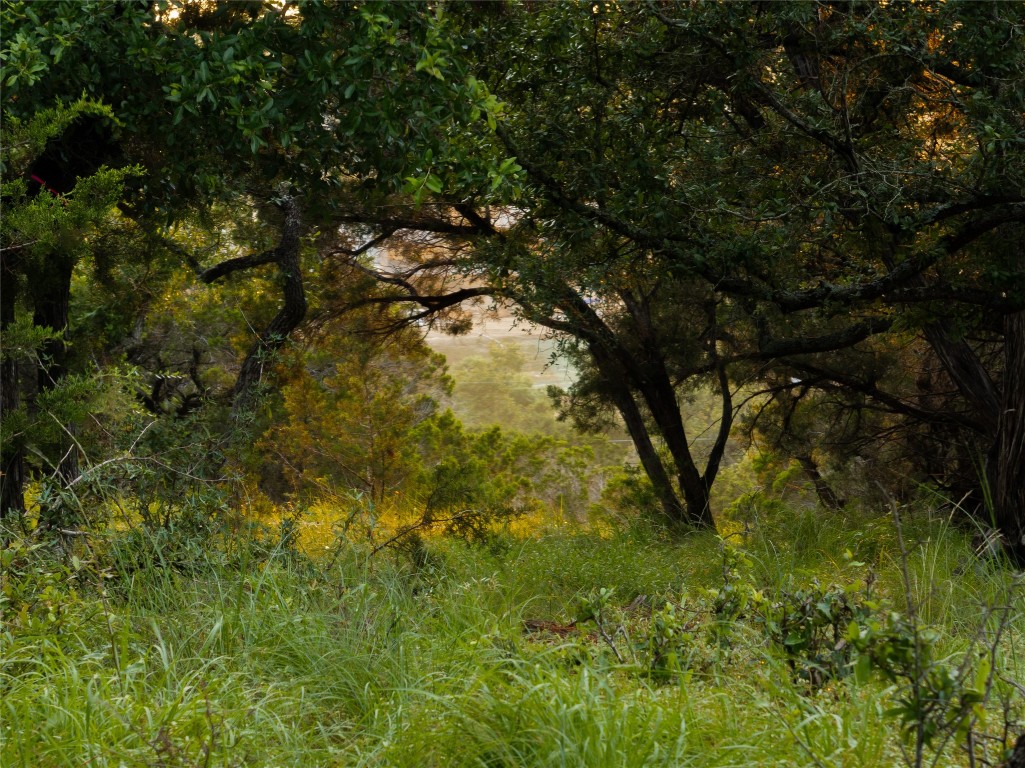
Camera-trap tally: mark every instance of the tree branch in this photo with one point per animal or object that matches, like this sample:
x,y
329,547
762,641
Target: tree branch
x,y
235,265
893,404
418,224
359,251
292,312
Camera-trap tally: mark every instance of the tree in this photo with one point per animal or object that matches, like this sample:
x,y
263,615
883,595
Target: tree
x,y
350,402
236,104
789,184
903,117
47,229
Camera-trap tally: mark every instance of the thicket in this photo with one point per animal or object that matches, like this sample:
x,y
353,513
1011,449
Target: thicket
x,y
812,212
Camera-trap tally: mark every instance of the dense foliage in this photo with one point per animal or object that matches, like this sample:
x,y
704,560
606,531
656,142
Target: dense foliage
x,y
820,200
823,202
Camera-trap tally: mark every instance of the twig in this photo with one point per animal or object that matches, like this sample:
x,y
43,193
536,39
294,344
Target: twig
x,y
422,523
126,456
605,636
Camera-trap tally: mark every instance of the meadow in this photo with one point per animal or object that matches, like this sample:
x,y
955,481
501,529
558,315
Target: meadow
x,y
807,640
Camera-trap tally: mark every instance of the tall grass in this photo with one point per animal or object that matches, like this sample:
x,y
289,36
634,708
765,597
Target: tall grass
x,y
272,659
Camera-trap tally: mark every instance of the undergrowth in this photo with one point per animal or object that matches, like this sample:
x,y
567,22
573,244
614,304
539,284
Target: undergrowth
x,y
808,644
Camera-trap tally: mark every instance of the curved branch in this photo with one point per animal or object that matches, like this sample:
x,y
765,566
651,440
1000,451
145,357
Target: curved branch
x,y
418,224
893,404
274,336
772,349
360,250
236,265
431,304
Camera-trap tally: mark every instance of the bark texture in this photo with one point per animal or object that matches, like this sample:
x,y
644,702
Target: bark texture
x,y
288,318
12,464
1009,481
52,302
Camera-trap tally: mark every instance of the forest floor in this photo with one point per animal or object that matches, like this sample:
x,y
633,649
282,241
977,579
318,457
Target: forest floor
x,y
807,641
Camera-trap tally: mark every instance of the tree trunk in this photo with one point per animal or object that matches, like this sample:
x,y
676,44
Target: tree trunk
x,y
979,392
12,464
1001,418
968,374
725,427
52,300
673,509
1009,474
625,374
288,317
274,336
650,378
826,494
665,411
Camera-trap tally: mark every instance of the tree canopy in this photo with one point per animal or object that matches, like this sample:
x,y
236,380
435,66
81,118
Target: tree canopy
x,y
818,197
819,202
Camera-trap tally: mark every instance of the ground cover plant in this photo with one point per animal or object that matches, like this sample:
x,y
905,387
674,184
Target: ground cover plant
x,y
563,648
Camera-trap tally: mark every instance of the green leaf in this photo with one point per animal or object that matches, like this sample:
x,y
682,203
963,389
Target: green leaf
x,y
863,669
982,673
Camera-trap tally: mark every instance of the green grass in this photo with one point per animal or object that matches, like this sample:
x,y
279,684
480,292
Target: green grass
x,y
272,660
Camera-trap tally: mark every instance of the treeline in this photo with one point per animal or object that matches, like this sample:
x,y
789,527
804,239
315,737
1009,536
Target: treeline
x,y
818,205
